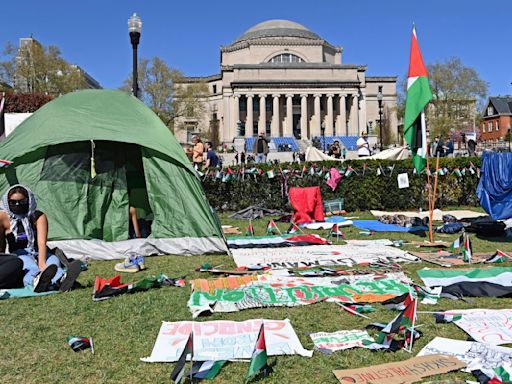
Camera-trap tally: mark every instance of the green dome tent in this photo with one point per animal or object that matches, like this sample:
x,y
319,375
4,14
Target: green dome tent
x,y
88,156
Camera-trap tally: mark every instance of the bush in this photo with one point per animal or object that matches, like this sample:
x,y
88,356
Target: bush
x,y
25,102
360,192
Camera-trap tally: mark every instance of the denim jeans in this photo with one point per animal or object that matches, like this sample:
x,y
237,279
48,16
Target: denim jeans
x,y
261,158
29,258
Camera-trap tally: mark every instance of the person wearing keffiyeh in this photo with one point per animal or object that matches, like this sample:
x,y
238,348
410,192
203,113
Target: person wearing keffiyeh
x,y
25,230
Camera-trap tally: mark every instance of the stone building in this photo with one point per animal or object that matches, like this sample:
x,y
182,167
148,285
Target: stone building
x,y
281,78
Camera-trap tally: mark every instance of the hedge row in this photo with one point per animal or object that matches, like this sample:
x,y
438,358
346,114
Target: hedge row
x,y
360,192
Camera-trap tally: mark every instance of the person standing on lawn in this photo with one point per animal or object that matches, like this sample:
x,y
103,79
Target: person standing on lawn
x,y
25,230
363,147
260,148
197,152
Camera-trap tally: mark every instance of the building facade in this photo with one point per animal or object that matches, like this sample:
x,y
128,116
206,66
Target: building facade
x,y
497,120
282,79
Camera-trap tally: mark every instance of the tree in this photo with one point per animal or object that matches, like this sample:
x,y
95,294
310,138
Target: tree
x,y
37,69
458,94
165,91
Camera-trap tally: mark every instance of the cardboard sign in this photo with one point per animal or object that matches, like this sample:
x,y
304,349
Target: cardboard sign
x,y
401,372
224,340
403,180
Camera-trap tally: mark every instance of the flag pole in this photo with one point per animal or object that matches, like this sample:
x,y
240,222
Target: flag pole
x,y
431,214
430,236
192,356
413,321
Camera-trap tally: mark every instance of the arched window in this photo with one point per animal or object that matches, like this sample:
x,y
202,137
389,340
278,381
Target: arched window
x,y
286,58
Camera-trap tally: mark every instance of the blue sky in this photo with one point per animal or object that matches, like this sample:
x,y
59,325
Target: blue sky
x,y
188,34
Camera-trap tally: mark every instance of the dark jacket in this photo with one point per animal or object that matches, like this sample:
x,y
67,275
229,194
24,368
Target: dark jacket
x,y
265,145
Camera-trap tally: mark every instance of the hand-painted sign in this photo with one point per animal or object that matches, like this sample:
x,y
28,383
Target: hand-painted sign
x,y
224,340
292,291
340,340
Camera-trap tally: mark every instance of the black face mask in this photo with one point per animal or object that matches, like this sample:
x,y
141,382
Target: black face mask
x,y
19,207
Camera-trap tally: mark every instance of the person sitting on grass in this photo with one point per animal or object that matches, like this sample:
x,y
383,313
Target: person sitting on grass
x,y
25,230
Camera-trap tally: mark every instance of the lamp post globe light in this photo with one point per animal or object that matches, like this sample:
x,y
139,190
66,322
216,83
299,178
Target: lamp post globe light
x,y
134,29
379,99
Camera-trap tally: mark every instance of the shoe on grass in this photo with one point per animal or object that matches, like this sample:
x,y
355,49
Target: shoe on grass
x,y
69,278
129,265
140,262
44,278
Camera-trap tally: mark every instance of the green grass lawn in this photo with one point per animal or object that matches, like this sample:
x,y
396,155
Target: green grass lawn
x,y
33,331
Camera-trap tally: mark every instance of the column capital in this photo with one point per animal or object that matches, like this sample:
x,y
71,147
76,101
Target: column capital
x,y
249,95
289,95
304,95
276,95
342,95
330,95
237,95
317,95
262,95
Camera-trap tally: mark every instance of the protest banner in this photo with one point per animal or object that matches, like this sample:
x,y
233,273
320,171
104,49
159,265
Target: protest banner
x,y
401,372
318,255
475,355
224,340
271,291
491,326
337,341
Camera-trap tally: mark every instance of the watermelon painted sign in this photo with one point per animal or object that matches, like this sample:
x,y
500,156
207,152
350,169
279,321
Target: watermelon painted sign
x,y
337,341
271,291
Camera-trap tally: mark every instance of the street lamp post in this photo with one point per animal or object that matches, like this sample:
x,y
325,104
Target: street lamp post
x,y
134,29
379,99
322,131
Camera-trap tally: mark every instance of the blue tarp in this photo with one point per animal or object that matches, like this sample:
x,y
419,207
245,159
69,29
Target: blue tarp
x,y
377,226
22,292
495,187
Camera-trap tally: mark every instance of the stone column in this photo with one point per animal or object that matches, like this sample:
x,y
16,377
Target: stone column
x,y
288,131
362,114
236,113
249,119
303,117
329,129
317,121
354,112
341,129
274,128
226,126
262,122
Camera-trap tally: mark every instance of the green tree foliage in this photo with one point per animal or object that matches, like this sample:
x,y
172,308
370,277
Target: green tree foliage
x,y
458,93
35,68
165,91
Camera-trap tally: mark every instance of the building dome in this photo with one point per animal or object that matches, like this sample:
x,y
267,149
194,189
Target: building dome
x,y
277,28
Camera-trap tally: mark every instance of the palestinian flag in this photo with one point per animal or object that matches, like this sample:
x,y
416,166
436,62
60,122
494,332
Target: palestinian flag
x,y
418,96
498,257
458,242
349,172
79,343
467,250
457,172
476,282
270,174
293,229
312,171
272,228
205,369
179,369
335,231
249,231
409,314
379,172
398,303
446,318
259,363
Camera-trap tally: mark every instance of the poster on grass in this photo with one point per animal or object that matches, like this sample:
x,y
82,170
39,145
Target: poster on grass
x,y
224,340
491,326
337,341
